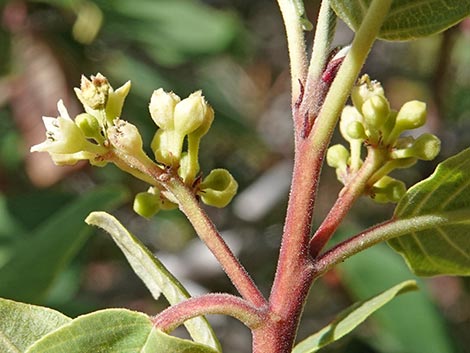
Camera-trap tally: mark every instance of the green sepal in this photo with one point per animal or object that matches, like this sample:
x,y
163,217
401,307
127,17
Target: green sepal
x,y
218,188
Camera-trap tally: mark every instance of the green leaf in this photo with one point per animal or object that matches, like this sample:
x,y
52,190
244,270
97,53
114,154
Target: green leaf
x,y
23,324
37,260
408,324
113,331
154,274
407,19
161,342
350,318
443,249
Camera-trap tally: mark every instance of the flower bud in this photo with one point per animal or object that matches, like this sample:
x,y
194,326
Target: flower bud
x,y
349,115
388,189
189,114
206,124
364,90
90,127
167,146
218,188
425,147
146,204
162,107
375,111
337,157
355,130
126,138
411,116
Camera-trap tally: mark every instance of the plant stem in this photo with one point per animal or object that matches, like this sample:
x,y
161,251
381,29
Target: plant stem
x,y
294,274
324,33
356,186
201,222
214,241
349,70
133,166
296,46
383,232
216,303
315,91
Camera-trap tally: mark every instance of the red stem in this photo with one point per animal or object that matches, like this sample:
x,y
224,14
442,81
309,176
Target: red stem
x,y
348,195
208,233
294,275
203,226
216,303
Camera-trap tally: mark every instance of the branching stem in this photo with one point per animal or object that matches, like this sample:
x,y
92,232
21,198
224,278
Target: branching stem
x,y
201,222
349,194
214,241
215,303
383,232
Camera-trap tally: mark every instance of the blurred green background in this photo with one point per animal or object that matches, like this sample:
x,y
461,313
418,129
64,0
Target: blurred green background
x,y
236,52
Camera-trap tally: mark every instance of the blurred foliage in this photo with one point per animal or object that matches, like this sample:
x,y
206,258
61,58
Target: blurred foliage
x,y
235,51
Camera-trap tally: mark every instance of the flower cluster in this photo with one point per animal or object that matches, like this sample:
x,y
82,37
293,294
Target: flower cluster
x,y
372,123
100,136
69,141
179,119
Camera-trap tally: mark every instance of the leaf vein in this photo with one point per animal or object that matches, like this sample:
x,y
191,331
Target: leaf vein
x,y
439,183
451,242
452,196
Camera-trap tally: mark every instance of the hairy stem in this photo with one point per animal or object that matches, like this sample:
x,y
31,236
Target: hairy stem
x,y
295,44
383,232
294,273
315,90
214,241
349,194
216,303
201,222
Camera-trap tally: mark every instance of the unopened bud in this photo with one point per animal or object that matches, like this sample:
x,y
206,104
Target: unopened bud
x,y
425,147
355,130
162,107
388,189
375,111
411,116
90,127
337,157
167,146
126,138
189,114
349,115
146,204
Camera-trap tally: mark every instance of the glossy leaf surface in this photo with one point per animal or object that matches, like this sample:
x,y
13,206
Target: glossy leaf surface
x,y
407,19
443,249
